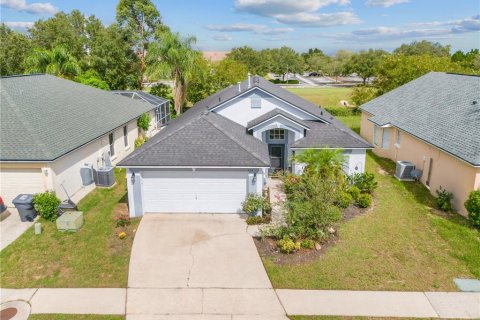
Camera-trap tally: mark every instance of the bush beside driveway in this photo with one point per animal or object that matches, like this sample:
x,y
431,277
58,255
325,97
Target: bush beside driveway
x,y
93,257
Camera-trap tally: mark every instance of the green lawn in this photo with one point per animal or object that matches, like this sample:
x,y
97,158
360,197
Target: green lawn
x,y
399,245
73,317
324,96
93,257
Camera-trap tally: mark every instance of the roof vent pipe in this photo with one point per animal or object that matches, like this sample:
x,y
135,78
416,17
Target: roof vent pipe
x,y
249,80
239,87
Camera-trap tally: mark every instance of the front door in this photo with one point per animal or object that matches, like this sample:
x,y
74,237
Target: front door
x,y
277,155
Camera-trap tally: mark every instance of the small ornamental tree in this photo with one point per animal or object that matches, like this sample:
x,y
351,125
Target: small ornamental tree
x,y
143,123
473,207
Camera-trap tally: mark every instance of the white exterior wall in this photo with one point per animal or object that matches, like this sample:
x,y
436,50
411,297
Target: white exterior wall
x,y
66,170
240,110
354,162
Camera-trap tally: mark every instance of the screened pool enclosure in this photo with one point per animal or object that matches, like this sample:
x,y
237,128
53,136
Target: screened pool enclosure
x,y
162,106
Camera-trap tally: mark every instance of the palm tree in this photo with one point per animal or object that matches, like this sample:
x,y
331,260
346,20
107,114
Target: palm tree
x,y
57,61
325,162
173,56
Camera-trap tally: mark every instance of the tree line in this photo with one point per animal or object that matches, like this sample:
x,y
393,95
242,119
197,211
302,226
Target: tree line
x,y
138,47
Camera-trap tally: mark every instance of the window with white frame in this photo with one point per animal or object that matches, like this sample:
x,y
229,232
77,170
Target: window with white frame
x,y
125,136
111,142
277,134
376,135
399,138
256,101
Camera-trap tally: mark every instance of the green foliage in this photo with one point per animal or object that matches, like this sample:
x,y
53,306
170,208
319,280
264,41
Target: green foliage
x,y
342,111
344,199
173,56
354,191
92,79
316,60
162,90
143,121
257,62
364,200
285,60
122,220
13,50
363,94
287,245
444,199
418,48
46,204
363,181
365,63
251,220
396,70
325,162
469,60
307,244
58,61
473,207
254,203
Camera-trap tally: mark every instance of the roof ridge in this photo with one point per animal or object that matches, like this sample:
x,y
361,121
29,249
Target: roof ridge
x,y
234,139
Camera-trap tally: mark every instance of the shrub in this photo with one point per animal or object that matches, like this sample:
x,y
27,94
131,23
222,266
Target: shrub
x,y
307,244
444,199
140,141
363,94
254,220
278,81
344,199
364,200
143,121
46,204
363,181
342,111
473,207
354,191
287,245
253,203
122,220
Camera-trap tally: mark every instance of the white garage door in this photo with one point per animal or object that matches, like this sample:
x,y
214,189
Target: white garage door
x,y
199,191
16,181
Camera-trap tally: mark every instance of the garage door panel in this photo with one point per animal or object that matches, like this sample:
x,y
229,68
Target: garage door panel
x,y
194,191
16,181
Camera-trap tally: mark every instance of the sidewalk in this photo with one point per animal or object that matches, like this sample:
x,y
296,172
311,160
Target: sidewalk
x,y
220,303
11,228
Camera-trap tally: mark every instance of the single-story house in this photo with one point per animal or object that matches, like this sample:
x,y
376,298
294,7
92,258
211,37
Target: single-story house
x,y
51,127
433,122
224,147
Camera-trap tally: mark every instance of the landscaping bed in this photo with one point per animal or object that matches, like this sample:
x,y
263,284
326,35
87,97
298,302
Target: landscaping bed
x,y
92,257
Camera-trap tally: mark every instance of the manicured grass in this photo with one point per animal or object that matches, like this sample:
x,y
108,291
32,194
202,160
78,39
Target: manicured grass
x,y
324,96
73,317
93,257
399,245
352,122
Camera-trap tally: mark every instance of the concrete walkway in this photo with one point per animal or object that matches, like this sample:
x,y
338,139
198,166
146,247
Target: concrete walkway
x,y
276,197
11,228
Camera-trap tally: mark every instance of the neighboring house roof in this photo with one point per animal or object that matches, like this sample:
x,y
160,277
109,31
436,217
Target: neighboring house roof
x,y
43,117
439,108
327,135
201,138
276,113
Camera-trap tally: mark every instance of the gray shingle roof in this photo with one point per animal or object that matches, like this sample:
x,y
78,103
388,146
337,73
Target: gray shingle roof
x,y
43,117
275,112
438,108
329,135
201,138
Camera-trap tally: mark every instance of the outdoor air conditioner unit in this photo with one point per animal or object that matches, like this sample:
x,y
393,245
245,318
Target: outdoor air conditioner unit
x,y
404,170
104,177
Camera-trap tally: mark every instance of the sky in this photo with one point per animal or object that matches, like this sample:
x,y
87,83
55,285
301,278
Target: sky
x,y
330,25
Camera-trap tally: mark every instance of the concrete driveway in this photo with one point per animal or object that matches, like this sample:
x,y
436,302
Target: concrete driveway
x,y
195,251
198,266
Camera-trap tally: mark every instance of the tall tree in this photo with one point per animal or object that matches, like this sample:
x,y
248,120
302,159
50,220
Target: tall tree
x,y
417,48
14,47
365,63
254,60
142,19
172,55
58,61
285,60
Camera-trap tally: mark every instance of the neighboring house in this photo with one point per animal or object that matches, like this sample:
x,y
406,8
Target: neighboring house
x,y
434,122
224,147
51,127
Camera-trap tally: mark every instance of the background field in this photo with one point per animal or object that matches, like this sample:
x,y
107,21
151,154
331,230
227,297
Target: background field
x,y
324,96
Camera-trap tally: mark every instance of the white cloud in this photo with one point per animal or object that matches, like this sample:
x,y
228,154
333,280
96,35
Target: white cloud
x,y
303,13
414,31
248,27
384,3
222,37
19,24
33,8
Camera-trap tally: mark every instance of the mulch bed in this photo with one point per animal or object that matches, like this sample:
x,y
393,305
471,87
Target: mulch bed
x,y
267,247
